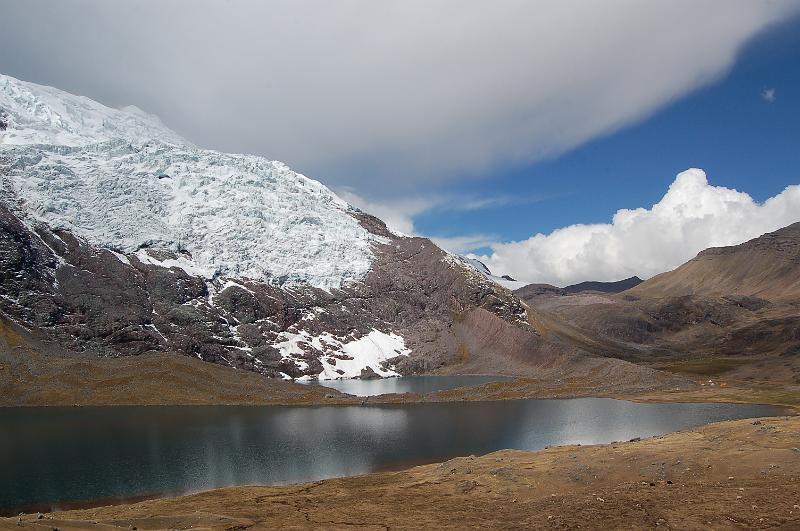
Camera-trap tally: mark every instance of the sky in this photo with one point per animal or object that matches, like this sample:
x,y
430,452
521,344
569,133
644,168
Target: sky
x,y
548,138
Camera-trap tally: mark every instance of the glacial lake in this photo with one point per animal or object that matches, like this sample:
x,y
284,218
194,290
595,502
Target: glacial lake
x,y
52,456
407,384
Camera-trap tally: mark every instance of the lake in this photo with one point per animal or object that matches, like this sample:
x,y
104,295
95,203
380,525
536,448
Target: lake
x,y
407,384
49,456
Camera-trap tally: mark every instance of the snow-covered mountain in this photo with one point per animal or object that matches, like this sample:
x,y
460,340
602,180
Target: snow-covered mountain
x,y
118,237
505,280
35,115
123,181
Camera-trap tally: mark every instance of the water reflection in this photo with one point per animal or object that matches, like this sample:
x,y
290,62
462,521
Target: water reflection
x,y
55,454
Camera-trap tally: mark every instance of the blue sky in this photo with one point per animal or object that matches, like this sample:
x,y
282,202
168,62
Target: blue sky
x,y
729,129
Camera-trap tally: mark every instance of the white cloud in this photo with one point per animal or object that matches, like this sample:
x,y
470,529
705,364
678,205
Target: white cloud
x,y
692,216
768,95
399,93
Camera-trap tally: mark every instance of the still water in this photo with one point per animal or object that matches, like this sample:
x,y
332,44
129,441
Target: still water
x,y
407,384
49,456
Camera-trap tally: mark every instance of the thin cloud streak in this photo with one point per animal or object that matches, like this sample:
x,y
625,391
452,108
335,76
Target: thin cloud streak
x,y
466,243
399,213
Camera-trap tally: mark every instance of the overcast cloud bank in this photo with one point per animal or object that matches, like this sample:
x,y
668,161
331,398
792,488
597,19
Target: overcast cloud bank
x,y
391,97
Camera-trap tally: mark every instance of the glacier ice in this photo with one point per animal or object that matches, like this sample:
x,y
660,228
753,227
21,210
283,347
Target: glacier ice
x,y
122,180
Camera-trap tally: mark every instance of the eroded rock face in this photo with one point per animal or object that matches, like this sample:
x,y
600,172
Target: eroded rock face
x,y
103,302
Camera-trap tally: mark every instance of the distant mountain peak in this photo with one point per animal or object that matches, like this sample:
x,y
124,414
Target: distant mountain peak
x,y
504,280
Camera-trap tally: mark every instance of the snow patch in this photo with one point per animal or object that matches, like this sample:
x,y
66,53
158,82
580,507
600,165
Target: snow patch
x,y
227,283
313,313
157,331
121,257
481,268
372,350
186,264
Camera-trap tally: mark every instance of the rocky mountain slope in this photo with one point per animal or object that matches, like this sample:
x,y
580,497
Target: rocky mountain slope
x,y
37,373
118,237
731,310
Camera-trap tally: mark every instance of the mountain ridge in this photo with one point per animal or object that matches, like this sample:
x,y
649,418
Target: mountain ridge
x,y
530,290
767,266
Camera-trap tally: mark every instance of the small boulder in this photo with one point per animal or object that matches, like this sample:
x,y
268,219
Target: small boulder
x,y
464,487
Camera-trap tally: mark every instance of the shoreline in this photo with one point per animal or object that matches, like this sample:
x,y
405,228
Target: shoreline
x,y
788,410
489,392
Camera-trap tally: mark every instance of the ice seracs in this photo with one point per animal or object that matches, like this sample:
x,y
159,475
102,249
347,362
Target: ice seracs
x,y
36,114
122,180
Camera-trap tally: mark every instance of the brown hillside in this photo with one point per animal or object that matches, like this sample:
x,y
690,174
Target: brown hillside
x,y
767,267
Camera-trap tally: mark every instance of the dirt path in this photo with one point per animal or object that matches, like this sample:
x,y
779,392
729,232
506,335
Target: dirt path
x,y
730,475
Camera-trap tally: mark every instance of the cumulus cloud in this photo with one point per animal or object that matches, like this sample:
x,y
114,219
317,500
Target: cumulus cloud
x,y
768,95
405,93
692,216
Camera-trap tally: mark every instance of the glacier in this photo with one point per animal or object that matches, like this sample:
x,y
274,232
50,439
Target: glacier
x,y
120,179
